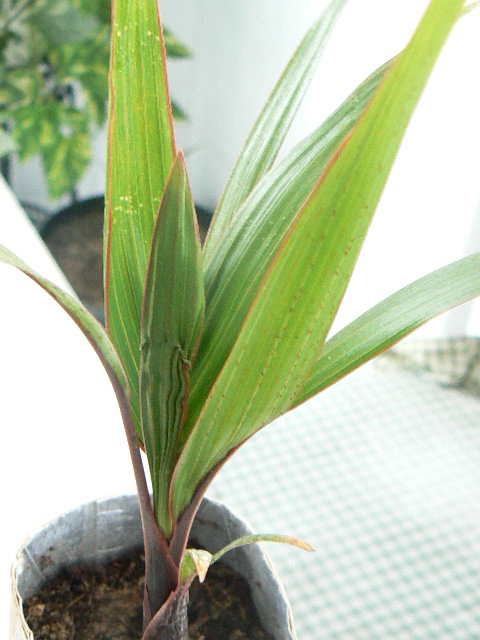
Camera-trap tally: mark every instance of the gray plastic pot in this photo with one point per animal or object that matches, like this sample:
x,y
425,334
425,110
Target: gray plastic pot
x,y
100,531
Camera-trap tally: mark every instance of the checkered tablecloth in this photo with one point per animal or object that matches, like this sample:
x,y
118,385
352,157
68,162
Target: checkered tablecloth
x,y
381,473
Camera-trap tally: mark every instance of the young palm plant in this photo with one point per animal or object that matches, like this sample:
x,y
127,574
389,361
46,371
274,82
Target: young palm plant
x,y
205,347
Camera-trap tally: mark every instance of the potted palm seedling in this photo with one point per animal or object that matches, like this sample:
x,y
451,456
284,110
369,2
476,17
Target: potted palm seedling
x,y
205,347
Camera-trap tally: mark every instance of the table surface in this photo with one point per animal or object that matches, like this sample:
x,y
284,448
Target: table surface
x,y
380,472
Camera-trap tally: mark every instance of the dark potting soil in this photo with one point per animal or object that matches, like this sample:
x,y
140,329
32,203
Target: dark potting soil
x,y
106,604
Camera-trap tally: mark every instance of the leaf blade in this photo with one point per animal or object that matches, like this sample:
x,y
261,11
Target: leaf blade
x,y
141,152
234,273
391,320
262,537
196,562
292,313
172,321
271,127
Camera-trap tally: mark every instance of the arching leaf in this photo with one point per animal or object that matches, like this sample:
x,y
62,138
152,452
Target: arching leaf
x,y
92,329
391,320
288,321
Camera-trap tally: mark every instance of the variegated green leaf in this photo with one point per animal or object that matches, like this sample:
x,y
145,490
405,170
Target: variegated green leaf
x,y
20,87
60,21
298,298
37,127
141,153
68,158
393,319
7,143
270,129
173,313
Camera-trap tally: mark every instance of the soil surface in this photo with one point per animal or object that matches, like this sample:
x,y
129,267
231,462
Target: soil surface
x,y
106,604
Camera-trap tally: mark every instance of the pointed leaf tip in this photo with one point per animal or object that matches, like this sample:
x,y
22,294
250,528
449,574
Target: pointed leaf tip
x,y
269,131
262,537
195,562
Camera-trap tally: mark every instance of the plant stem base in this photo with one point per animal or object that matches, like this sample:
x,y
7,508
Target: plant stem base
x,y
107,603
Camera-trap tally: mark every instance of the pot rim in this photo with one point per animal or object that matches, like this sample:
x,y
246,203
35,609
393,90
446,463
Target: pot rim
x,y
100,530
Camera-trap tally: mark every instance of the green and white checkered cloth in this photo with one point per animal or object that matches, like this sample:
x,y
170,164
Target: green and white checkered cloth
x,y
381,473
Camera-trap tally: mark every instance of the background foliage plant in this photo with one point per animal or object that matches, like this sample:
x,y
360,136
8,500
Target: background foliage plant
x,y
205,346
54,61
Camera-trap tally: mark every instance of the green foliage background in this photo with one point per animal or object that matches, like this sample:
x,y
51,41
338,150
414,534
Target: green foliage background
x,y
54,65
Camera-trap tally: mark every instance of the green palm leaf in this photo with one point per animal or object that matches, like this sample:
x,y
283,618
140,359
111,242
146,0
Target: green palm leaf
x,y
391,320
141,153
286,326
172,323
271,127
240,262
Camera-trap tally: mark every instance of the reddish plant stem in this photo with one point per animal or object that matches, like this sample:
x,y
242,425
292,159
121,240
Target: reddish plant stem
x,y
171,621
179,540
161,573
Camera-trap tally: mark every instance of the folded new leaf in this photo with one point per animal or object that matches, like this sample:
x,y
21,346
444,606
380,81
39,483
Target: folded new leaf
x,y
172,321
